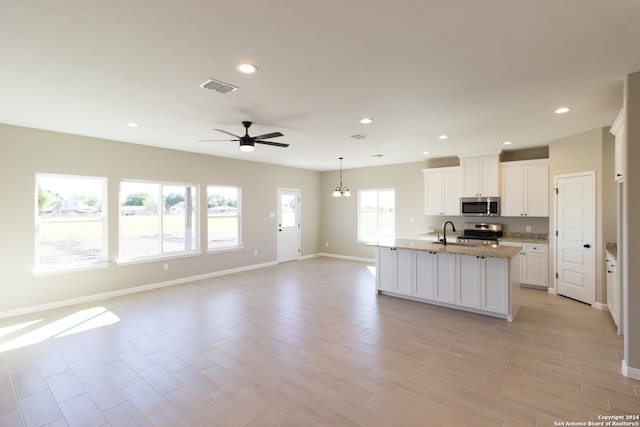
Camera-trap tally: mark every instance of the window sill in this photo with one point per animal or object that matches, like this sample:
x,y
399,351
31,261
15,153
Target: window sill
x,y
70,269
223,250
164,257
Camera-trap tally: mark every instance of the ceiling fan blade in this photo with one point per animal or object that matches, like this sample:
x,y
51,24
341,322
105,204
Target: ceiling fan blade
x,y
228,133
269,135
216,140
276,144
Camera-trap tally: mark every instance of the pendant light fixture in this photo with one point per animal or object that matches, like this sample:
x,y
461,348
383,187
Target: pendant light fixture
x,y
341,191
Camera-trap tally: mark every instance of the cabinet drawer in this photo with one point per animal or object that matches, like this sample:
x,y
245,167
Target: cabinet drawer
x,y
530,247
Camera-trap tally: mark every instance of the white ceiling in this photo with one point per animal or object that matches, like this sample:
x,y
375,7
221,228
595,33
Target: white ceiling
x,y
479,71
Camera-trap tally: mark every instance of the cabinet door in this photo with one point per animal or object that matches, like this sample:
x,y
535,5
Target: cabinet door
x,y
512,199
468,280
480,176
404,271
534,268
490,176
433,197
425,268
452,191
445,278
470,177
495,285
386,269
536,190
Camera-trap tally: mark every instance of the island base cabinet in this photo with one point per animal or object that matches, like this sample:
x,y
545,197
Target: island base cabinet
x,y
495,285
468,281
425,268
487,285
482,283
394,271
445,278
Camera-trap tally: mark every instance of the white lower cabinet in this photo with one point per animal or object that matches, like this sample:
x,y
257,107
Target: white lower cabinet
x,y
494,292
534,263
445,278
425,267
453,279
483,283
394,272
469,280
613,290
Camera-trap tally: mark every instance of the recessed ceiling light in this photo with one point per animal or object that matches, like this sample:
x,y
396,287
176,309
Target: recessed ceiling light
x,y
563,110
366,121
246,68
507,143
443,136
426,153
132,124
377,155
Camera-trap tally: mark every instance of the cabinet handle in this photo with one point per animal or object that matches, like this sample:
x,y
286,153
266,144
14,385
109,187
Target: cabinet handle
x,y
609,271
587,246
618,174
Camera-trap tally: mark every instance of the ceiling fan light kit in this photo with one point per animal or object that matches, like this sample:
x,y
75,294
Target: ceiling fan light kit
x,y
247,143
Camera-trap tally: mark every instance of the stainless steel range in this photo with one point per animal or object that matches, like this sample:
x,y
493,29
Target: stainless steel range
x,y
480,234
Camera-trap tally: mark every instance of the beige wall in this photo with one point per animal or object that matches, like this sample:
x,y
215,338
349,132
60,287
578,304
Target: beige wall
x,y
340,215
582,153
630,245
25,152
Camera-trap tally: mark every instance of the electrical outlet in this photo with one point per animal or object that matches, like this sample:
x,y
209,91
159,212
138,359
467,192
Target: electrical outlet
x,y
528,229
166,267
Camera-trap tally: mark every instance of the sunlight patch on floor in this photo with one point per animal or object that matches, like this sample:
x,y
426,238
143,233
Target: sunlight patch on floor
x,y
79,321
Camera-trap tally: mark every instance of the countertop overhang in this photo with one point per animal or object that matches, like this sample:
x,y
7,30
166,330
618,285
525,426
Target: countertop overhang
x,y
495,251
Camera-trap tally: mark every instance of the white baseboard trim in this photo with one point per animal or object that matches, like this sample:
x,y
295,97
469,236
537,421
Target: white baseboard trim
x,y
630,372
120,292
552,291
600,306
350,258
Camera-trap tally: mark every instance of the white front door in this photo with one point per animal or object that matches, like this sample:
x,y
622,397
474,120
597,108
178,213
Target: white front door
x,y
288,218
575,241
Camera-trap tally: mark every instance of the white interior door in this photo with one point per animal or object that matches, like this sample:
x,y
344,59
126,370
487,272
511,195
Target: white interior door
x,y
288,217
575,241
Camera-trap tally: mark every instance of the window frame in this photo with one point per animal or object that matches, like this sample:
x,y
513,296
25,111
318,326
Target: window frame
x,y
162,254
360,238
238,217
103,260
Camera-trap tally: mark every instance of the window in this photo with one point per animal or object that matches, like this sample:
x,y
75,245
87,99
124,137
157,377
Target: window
x,y
376,215
223,217
157,220
71,221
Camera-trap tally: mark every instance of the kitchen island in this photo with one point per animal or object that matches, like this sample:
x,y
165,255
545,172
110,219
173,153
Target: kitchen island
x,y
481,279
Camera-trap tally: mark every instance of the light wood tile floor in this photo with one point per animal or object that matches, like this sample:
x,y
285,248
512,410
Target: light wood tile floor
x,y
308,343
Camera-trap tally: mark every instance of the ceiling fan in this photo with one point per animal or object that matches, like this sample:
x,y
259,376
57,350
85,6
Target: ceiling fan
x,y
247,142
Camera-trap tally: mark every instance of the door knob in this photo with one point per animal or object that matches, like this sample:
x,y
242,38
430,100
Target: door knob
x,y
587,246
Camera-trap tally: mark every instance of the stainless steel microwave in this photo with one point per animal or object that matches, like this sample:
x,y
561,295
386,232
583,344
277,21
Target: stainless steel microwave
x,y
480,206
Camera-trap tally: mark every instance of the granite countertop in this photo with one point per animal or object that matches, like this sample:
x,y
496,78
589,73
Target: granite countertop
x,y
540,238
494,251
612,248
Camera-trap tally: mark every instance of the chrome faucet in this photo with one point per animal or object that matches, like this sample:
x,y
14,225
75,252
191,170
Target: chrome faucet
x,y
444,231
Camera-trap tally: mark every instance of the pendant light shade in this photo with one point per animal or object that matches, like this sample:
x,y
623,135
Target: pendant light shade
x,y
341,190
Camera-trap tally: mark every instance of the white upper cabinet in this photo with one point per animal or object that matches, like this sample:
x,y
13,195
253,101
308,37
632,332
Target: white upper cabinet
x,y
442,190
525,188
617,129
481,176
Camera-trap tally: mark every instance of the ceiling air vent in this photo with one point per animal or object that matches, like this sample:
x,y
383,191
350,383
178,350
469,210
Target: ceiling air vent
x,y
360,136
218,86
